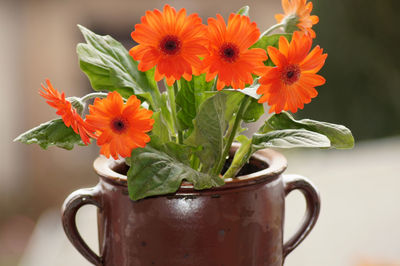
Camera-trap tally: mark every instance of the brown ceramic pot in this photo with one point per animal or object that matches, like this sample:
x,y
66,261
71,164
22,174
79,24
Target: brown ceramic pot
x,y
238,224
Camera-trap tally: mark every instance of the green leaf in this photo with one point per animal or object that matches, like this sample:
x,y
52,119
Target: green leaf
x,y
253,112
160,128
186,102
270,40
244,11
155,172
51,133
252,90
339,136
210,126
177,151
202,89
290,138
109,67
189,98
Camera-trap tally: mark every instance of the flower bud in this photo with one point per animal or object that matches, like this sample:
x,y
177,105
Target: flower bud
x,y
290,23
77,104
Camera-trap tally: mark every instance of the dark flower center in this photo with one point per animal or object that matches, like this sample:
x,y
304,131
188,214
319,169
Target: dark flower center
x,y
119,125
229,52
290,74
170,45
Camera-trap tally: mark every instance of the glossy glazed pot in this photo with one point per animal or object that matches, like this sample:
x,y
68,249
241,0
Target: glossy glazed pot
x,y
238,224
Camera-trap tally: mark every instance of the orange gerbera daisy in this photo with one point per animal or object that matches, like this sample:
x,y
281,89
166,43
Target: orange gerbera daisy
x,y
230,56
120,127
170,41
68,114
297,15
291,83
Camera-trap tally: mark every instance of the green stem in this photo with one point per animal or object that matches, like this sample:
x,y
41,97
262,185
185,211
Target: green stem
x,y
165,111
229,131
238,119
195,162
241,157
93,95
157,98
180,135
214,86
268,31
171,96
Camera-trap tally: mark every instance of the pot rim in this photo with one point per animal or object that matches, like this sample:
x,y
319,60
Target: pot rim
x,y
276,162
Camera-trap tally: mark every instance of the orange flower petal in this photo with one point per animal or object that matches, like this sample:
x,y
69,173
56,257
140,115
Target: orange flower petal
x,y
279,17
301,10
68,114
312,79
229,55
291,83
276,56
314,19
284,46
171,41
299,48
314,60
120,126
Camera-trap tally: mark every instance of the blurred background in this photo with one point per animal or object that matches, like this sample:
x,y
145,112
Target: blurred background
x,y
359,222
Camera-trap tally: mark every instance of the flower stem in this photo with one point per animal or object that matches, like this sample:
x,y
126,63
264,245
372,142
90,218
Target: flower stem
x,y
93,95
195,162
268,31
171,96
241,157
214,86
242,109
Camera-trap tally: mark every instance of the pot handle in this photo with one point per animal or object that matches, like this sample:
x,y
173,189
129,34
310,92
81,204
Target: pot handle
x,y
70,207
313,204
